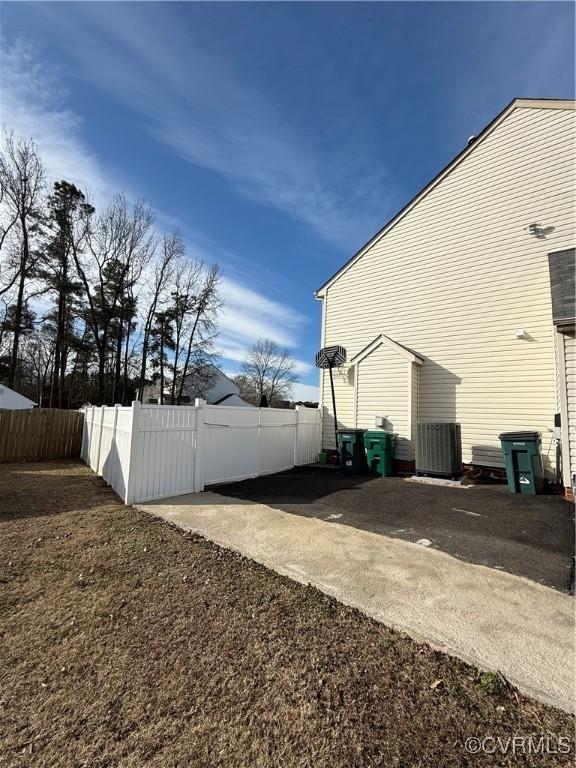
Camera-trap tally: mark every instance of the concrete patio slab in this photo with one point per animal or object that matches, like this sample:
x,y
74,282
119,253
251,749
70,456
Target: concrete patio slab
x,y
489,618
530,536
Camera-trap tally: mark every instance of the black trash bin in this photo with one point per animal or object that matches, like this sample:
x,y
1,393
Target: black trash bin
x,y
351,449
524,468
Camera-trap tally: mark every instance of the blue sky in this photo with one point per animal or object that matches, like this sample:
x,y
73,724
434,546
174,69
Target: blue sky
x,y
277,137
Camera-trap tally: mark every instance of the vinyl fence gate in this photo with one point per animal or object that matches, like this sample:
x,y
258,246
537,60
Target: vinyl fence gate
x,y
148,452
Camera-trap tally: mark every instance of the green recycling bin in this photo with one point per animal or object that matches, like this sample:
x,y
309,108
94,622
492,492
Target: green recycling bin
x,y
524,468
351,449
380,448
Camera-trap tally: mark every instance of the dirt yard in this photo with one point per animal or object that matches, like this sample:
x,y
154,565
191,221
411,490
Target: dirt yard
x,y
124,642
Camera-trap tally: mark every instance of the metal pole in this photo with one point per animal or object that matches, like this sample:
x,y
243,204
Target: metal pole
x,y
334,407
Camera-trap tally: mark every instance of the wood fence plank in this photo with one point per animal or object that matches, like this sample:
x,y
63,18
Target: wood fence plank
x,y
40,434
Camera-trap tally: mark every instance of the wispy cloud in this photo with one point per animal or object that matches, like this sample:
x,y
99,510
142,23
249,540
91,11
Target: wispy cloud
x,y
249,316
34,105
196,104
306,392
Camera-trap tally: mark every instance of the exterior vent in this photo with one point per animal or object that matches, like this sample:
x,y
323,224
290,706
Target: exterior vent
x,y
439,450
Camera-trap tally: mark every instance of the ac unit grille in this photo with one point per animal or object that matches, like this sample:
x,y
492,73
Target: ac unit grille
x,y
438,449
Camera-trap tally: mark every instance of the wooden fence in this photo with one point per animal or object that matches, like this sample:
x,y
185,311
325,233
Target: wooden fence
x,y
40,434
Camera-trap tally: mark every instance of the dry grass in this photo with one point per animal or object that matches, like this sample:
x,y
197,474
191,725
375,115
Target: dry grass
x,y
127,643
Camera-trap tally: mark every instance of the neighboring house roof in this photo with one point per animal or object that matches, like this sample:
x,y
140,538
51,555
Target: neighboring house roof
x,y
222,399
217,382
14,400
219,389
232,399
515,104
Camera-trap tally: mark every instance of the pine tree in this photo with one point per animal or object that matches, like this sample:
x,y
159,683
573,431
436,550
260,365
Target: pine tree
x,y
161,342
68,212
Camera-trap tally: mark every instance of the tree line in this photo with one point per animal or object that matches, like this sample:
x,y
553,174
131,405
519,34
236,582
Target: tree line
x,y
96,305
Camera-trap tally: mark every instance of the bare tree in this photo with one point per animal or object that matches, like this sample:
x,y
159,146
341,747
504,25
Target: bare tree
x,y
201,331
90,301
8,221
172,249
194,305
182,300
136,252
38,360
120,244
22,186
247,389
267,372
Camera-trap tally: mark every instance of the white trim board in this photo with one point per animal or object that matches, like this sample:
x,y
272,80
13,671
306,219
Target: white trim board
x,y
391,344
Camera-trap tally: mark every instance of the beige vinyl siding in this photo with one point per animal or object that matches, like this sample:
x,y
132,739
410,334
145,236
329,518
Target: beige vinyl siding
x,y
382,390
570,363
461,272
344,390
415,405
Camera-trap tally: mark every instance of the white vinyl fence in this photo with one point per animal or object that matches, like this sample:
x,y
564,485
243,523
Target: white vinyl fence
x,y
148,452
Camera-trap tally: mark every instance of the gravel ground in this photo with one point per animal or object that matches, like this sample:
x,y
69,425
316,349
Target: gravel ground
x,y
125,642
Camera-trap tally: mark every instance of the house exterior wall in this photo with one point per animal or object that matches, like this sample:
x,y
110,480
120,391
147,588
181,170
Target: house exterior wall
x,y
461,272
345,408
383,390
570,373
415,405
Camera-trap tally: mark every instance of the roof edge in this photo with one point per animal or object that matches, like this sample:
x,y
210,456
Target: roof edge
x,y
519,103
535,103
406,353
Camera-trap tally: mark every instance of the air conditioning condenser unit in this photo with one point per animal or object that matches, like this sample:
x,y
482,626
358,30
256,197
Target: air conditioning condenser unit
x,y
439,449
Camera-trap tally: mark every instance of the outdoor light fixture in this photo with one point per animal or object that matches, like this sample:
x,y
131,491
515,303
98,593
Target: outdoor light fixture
x,y
521,333
535,228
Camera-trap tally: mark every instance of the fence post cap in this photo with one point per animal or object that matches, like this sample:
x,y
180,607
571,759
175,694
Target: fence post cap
x,y
199,402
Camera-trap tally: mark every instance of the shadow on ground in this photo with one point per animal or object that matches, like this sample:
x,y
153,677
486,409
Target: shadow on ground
x,y
22,485
486,525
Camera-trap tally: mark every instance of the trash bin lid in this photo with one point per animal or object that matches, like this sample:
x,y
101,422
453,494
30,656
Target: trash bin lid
x,y
351,431
520,436
374,433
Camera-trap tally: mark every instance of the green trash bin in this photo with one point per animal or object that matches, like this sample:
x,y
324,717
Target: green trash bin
x,y
351,449
524,468
380,448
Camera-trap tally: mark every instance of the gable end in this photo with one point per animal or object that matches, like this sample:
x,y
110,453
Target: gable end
x,y
515,104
